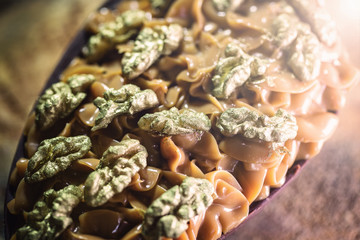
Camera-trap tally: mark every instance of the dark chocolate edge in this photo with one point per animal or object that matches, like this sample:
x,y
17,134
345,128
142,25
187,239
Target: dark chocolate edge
x,y
255,207
73,51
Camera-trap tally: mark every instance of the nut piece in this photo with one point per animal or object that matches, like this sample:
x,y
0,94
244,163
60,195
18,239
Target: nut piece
x,y
224,5
129,99
116,168
168,215
56,103
160,5
122,29
173,122
55,155
252,124
283,30
150,44
318,18
234,70
304,55
51,216
301,46
80,82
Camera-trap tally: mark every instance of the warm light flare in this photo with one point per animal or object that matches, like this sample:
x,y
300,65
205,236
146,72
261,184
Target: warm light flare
x,y
349,9
346,14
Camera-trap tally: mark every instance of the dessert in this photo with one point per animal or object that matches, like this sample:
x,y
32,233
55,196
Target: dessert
x,y
177,117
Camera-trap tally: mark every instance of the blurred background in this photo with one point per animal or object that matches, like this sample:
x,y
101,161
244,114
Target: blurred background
x,y
323,202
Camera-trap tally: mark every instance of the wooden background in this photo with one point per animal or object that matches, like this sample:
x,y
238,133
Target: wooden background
x,y
322,203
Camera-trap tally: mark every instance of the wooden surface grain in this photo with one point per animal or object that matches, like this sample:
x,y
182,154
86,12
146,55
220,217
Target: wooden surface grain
x,y
322,203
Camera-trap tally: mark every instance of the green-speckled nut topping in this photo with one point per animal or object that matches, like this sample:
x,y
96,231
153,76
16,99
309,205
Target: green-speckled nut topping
x,y
283,30
129,99
116,168
119,31
224,5
301,46
252,124
173,122
221,5
169,214
319,19
55,155
150,44
234,70
160,5
80,82
304,55
50,216
56,103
